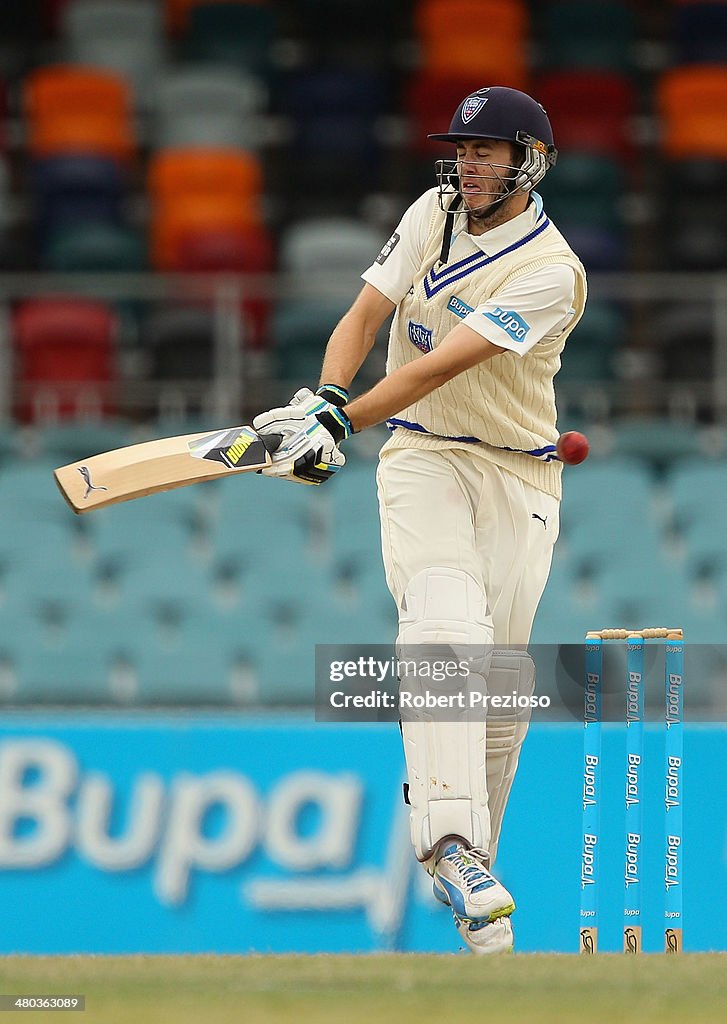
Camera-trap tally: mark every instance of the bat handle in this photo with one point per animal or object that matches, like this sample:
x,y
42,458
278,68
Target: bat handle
x,y
271,442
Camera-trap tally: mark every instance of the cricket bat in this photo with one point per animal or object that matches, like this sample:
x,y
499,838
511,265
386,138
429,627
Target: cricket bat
x,y
161,465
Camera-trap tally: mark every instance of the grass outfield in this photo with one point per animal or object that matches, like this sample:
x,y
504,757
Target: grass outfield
x,y
398,988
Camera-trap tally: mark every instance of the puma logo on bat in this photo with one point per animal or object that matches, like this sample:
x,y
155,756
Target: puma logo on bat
x,y
85,473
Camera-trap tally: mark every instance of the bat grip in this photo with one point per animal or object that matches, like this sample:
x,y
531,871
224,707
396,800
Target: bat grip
x,y
271,442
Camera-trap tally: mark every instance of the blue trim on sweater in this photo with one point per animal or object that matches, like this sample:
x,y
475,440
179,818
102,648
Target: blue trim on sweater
x,y
546,453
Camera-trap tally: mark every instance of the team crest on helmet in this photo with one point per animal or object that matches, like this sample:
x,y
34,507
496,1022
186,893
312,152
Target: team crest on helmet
x,y
472,106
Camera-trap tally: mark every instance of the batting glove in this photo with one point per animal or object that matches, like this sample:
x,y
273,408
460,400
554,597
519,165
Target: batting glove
x,y
312,429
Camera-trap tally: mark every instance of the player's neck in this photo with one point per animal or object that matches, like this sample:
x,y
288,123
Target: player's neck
x,y
501,214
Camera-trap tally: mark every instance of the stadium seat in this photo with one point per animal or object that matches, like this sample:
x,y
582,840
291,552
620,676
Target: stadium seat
x,y
698,493
74,190
662,443
209,107
78,110
699,33
222,249
692,104
682,335
643,589
593,34
492,44
429,101
334,103
598,246
124,36
585,188
65,357
193,190
617,489
95,248
78,673
306,323
592,349
177,172
237,35
185,215
28,484
70,441
180,342
591,111
328,244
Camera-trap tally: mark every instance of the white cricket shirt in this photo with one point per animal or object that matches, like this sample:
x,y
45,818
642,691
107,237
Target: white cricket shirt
x,y
542,298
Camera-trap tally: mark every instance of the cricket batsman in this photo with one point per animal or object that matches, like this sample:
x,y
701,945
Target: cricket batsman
x,y
485,291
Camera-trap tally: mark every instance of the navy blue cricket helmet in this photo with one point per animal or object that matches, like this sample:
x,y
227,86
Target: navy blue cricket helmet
x,y
496,112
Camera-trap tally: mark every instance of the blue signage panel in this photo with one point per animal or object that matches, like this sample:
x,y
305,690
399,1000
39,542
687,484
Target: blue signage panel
x,y
165,834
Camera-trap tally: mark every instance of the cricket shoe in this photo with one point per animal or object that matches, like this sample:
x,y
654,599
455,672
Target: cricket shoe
x,y
461,879
485,937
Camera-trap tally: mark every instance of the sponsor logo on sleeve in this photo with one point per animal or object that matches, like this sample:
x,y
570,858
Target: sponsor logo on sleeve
x,y
459,308
420,336
510,323
388,249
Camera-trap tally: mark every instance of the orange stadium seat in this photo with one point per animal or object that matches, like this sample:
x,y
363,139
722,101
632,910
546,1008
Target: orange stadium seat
x,y
64,356
490,39
67,89
458,18
194,189
75,109
87,134
692,103
589,111
203,172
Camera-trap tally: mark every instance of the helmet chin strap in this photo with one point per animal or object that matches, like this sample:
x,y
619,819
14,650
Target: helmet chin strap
x,y
510,187
453,210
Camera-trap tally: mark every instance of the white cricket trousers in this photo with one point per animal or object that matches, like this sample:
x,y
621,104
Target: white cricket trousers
x,y
452,509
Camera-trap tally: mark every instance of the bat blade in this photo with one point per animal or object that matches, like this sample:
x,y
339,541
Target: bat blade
x,y
162,465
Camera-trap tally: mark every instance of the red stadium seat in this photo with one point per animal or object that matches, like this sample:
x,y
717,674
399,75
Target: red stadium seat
x,y
232,250
64,352
429,102
590,112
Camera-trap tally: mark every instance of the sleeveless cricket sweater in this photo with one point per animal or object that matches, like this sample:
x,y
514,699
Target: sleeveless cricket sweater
x,y
503,409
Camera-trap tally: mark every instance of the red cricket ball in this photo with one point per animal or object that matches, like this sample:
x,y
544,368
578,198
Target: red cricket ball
x,y
572,447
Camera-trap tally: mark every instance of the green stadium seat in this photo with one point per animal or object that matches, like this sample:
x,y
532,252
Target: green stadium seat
x,y
591,350
588,34
102,247
586,188
237,35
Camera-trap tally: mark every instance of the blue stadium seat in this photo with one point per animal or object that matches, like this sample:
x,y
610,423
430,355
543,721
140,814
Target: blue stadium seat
x,y
617,488
699,493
